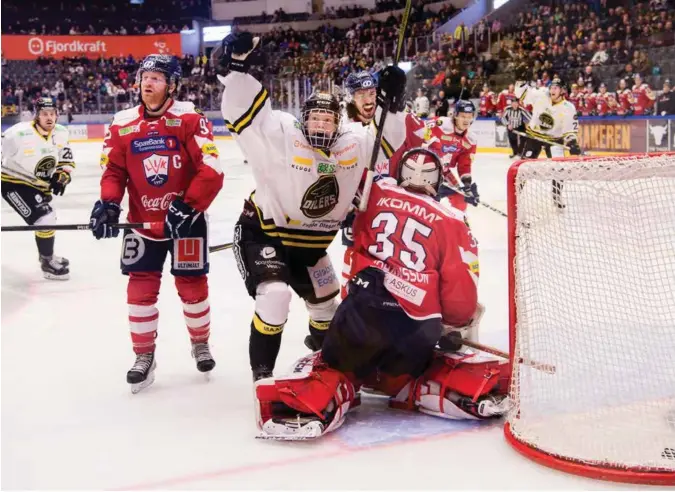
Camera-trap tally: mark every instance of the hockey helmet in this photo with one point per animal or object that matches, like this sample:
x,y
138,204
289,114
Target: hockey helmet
x,y
44,103
420,171
558,82
164,64
321,104
357,81
464,106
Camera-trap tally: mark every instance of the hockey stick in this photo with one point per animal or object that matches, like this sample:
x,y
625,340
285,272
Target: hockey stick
x,y
486,205
543,140
547,368
368,183
220,247
79,227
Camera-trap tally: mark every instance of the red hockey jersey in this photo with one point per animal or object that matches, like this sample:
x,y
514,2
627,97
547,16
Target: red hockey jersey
x,y
428,254
160,159
456,150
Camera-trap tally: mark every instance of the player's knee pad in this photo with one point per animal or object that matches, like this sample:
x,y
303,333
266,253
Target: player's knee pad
x,y
313,394
192,289
272,303
459,387
322,311
47,219
143,288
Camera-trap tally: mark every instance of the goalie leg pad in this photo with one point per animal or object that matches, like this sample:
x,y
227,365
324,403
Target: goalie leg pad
x,y
458,387
313,400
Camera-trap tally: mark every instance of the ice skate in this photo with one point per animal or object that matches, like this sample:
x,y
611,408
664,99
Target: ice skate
x,y
203,357
142,373
52,269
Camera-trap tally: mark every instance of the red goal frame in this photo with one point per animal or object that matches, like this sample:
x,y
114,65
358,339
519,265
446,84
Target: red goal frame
x,y
651,476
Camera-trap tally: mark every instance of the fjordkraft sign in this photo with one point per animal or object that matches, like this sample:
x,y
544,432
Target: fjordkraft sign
x,y
22,47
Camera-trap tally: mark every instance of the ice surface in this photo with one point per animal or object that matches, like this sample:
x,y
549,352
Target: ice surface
x,y
69,420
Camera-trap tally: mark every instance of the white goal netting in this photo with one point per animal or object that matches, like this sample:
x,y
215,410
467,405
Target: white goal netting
x,y
594,287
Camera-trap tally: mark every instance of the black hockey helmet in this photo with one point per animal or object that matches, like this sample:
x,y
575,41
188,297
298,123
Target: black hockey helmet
x,y
420,171
44,103
321,103
558,82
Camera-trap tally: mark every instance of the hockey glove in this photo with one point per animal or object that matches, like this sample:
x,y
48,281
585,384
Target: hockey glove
x,y
179,219
238,51
60,179
470,191
104,214
391,88
574,147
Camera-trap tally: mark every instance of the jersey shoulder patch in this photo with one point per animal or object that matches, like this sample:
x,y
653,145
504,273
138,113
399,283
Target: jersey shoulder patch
x,y
180,108
126,116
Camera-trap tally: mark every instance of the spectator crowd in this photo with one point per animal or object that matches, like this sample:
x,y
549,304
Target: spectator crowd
x,y
606,51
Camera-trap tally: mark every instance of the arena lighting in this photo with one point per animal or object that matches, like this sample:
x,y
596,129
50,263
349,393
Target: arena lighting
x,y
499,3
215,33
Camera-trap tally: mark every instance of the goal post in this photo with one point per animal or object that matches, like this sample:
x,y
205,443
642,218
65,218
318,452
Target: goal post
x,y
592,293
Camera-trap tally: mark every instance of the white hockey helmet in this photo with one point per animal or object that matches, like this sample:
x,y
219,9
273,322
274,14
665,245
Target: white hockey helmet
x,y
420,171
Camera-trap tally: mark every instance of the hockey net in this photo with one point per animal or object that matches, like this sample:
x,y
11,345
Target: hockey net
x,y
592,293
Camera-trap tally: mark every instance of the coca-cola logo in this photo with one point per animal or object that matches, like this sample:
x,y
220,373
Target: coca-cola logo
x,y
158,203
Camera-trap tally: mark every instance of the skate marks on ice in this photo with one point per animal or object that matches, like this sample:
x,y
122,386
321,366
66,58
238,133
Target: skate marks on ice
x,y
374,423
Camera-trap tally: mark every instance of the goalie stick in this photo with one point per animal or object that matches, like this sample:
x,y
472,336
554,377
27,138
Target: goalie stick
x,y
368,183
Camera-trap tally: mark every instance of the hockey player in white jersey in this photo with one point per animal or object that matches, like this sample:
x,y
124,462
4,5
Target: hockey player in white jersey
x,y
554,120
37,162
307,173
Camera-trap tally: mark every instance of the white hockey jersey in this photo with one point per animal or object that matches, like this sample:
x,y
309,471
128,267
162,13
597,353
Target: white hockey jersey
x,y
31,158
300,191
553,122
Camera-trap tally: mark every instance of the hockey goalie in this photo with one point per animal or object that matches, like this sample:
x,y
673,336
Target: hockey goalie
x,y
416,274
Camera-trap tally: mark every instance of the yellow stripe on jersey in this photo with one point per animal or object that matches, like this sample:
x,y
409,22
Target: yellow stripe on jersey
x,y
384,144
303,161
542,136
301,239
245,120
11,179
347,162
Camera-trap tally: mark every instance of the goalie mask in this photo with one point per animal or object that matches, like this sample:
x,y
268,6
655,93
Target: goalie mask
x,y
321,120
420,171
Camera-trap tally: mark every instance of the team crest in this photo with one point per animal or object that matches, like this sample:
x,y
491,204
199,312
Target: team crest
x,y
156,169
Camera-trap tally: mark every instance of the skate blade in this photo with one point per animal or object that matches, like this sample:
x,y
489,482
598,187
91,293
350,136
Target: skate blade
x,y
138,387
51,276
266,437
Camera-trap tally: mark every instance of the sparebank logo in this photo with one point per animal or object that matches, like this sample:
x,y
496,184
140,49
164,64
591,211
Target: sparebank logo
x,y
36,46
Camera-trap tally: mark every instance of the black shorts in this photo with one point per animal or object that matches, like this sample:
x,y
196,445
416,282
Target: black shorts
x,y
262,257
532,148
28,201
370,331
189,256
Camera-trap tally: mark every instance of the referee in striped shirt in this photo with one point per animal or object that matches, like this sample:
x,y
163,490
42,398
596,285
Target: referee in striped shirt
x,y
514,119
